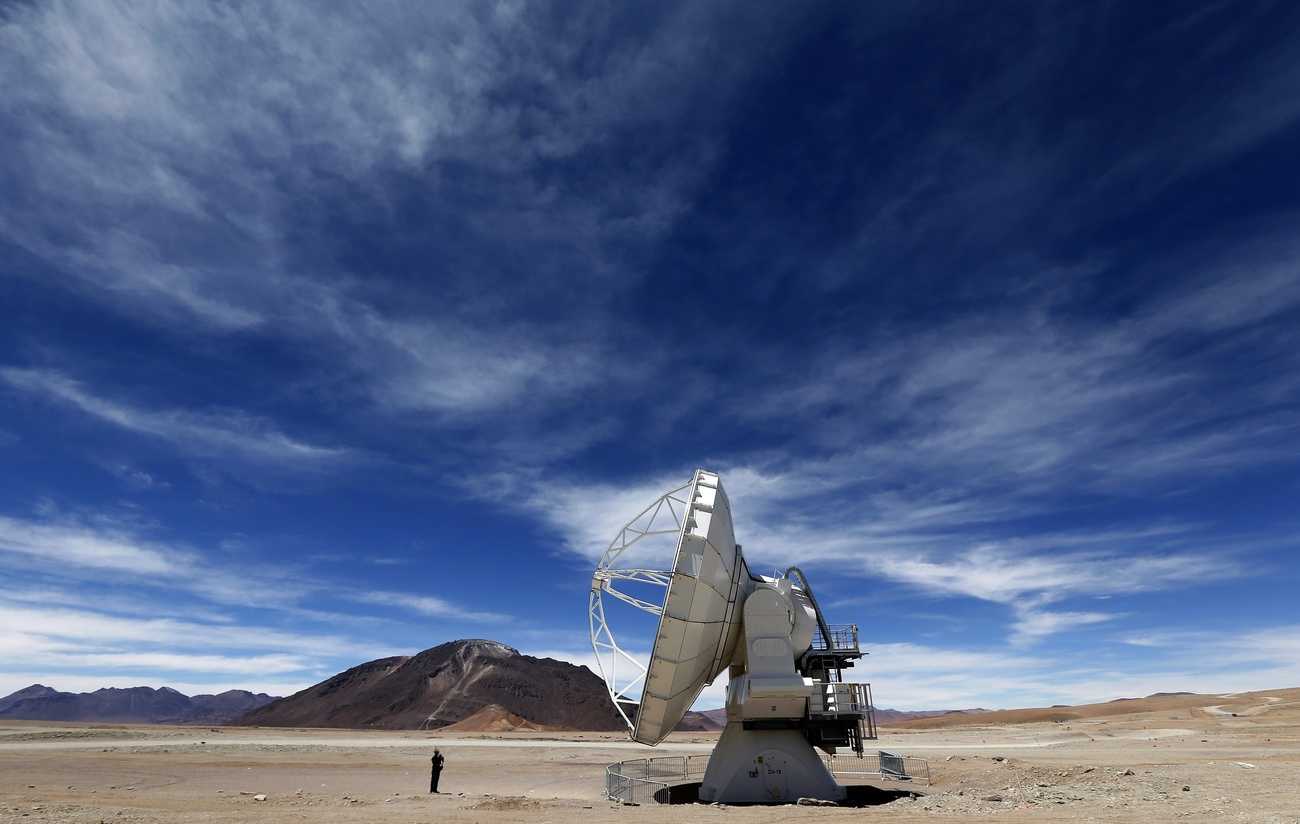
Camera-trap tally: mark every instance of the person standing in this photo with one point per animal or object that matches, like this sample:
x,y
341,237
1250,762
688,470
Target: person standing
x,y
436,771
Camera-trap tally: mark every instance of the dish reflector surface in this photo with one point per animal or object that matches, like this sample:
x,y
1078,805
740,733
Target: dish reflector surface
x,y
697,630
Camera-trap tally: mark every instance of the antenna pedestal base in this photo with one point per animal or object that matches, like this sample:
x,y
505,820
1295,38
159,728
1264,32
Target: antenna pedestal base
x,y
766,767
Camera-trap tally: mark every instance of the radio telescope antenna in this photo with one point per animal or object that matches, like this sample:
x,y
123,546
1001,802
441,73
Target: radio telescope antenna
x,y
694,599
679,562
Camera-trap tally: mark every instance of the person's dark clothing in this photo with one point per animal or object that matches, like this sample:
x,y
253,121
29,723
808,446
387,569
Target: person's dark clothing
x,y
436,771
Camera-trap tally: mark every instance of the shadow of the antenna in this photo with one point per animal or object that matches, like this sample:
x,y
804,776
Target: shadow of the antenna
x,y
859,795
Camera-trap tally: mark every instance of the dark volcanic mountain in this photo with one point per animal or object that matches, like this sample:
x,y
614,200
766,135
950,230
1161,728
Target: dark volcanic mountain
x,y
31,693
137,705
444,685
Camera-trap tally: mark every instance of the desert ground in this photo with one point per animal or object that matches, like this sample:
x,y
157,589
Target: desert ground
x,y
1175,758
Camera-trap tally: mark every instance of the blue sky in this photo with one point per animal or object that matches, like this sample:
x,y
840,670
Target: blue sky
x,y
338,331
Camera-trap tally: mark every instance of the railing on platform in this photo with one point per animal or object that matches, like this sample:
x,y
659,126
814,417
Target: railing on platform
x,y
844,700
843,639
836,698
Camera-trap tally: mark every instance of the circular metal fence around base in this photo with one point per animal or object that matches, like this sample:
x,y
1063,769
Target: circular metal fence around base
x,y
655,780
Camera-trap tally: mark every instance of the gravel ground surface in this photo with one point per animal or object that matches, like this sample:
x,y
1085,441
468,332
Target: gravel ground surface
x,y
1237,759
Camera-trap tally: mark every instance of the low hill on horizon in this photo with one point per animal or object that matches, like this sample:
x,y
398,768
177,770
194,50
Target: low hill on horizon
x,y
496,718
133,705
713,720
886,716
1193,704
445,685
709,721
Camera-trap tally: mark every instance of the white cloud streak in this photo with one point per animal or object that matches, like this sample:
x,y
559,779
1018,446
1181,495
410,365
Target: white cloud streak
x,y
66,630
83,554
63,546
71,643
186,617
1004,576
205,435
427,605
956,433
911,676
209,123
911,456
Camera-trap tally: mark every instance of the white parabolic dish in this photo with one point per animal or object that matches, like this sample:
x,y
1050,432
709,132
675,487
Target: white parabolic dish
x,y
698,626
786,695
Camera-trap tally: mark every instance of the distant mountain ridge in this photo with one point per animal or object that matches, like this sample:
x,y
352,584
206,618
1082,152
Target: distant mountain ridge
x,y
717,719
895,716
709,721
134,705
437,688
445,685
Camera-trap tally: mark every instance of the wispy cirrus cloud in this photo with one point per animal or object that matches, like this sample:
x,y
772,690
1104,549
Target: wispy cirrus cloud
x,y
1004,575
521,251
1029,408
969,432
66,552
965,428
63,644
95,550
212,127
189,615
233,434
426,605
914,676
1234,660
589,517
62,550
1029,585
88,630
